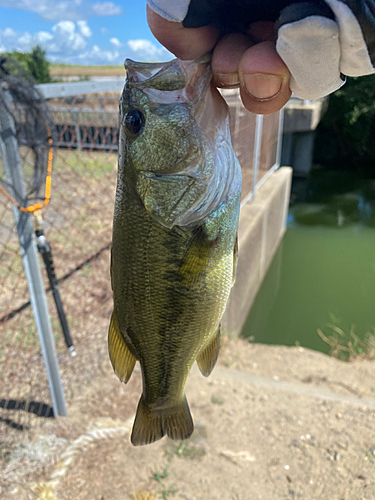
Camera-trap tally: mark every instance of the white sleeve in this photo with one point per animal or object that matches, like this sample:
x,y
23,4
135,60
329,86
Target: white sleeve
x,y
172,10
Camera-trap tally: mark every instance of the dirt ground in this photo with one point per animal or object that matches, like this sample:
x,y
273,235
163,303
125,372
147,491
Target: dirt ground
x,y
270,423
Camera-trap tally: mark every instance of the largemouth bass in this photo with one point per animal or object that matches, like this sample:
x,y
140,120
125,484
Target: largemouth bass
x,y
174,237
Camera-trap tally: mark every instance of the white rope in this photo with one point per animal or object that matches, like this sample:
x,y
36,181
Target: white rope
x,y
45,490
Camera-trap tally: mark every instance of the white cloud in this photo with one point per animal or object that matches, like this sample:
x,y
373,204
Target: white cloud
x,y
99,56
42,37
115,42
145,50
84,29
67,38
106,9
8,32
25,41
70,42
64,10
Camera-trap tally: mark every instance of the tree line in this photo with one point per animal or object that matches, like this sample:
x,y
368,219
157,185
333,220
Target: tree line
x,y
35,62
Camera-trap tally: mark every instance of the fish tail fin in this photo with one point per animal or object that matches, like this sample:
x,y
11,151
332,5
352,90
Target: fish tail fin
x,y
150,426
179,424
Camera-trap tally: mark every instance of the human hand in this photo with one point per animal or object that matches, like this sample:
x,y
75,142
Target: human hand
x,y
237,60
303,47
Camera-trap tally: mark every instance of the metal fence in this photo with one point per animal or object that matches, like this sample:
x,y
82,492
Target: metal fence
x,y
78,224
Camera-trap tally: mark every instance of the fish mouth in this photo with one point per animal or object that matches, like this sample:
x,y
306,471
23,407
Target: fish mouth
x,y
173,81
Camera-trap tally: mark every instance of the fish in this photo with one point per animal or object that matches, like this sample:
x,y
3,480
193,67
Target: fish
x,y
174,245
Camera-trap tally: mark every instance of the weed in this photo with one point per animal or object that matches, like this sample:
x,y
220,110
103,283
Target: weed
x,y
158,476
86,270
191,448
188,450
348,346
166,491
217,400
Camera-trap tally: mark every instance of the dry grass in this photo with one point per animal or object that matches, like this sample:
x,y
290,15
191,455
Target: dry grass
x,y
75,70
348,346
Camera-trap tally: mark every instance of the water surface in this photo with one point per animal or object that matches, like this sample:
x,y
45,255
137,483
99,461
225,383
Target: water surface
x,y
323,272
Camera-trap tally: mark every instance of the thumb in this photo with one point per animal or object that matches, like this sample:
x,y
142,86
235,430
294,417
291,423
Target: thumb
x,y
184,43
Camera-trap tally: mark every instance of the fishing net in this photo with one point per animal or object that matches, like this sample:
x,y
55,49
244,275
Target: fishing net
x,y
34,131
25,173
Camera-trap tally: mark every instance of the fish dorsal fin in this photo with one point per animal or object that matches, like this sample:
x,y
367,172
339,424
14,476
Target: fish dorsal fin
x,y
208,357
121,358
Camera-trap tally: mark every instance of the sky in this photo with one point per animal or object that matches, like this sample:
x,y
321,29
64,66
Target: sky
x,y
88,32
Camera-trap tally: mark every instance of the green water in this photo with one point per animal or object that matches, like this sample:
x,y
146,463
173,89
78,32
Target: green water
x,y
323,272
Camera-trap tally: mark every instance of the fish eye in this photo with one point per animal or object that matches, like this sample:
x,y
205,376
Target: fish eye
x,y
134,121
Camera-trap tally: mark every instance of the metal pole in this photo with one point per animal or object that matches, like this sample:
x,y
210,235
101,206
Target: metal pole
x,y
14,174
280,137
257,150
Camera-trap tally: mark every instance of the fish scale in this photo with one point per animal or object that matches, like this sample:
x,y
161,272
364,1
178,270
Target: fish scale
x,y
174,237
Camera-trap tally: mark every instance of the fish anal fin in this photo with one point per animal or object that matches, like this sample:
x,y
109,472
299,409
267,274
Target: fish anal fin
x,y
151,425
208,357
121,358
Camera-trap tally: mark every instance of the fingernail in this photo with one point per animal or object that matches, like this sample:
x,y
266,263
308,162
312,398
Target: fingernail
x,y
228,79
262,86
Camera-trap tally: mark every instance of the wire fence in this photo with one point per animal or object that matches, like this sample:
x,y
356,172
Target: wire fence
x,y
77,222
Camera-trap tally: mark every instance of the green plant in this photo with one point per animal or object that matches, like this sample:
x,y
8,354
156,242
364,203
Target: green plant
x,y
158,476
348,346
38,65
166,491
345,134
217,400
35,62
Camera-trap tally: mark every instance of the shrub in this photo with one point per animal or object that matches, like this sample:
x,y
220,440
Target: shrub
x,y
35,62
345,136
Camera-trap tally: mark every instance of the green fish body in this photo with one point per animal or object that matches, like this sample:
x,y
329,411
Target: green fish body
x,y
174,237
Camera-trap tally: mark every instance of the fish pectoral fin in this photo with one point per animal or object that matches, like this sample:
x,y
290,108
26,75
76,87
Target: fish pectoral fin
x,y
208,357
150,426
121,358
197,256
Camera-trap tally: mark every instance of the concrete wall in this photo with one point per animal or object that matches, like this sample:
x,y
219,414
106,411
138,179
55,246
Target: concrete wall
x,y
261,227
300,121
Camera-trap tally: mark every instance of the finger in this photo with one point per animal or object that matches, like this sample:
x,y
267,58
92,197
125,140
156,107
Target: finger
x,y
226,58
264,79
184,43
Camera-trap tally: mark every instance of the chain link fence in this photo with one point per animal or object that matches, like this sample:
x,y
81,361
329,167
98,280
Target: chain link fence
x,y
77,222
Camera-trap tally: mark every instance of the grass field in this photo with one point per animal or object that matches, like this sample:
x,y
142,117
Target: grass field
x,y
75,70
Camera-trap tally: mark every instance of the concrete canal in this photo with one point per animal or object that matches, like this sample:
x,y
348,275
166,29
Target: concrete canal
x,y
324,270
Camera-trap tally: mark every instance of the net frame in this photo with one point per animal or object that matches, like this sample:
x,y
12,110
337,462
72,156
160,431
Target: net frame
x,y
34,130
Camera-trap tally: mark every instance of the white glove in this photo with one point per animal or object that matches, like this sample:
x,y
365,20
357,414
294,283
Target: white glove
x,y
321,41
321,44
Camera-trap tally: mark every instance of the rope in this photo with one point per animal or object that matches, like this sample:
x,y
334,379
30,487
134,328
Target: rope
x,y
45,490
